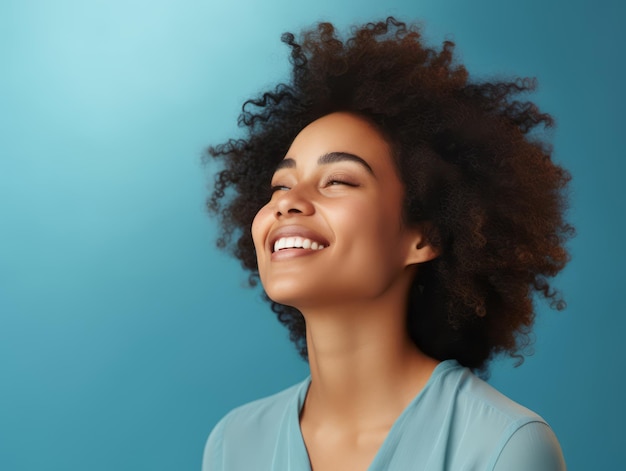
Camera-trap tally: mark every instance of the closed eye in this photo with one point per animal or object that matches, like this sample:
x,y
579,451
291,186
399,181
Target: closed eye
x,y
340,182
275,188
334,180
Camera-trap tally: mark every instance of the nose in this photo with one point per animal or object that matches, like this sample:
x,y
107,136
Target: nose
x,y
294,201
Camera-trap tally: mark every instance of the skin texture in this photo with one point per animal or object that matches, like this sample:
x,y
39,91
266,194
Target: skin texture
x,y
353,293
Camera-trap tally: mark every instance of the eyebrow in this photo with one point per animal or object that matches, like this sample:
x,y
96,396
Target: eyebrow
x,y
329,158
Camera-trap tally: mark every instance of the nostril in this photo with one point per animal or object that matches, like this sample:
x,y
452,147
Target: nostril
x,y
289,211
293,202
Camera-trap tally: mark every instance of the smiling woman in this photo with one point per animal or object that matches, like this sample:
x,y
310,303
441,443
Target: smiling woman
x,y
337,167
402,220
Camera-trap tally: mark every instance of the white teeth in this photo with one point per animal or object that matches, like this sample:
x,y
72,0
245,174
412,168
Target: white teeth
x,y
280,244
296,242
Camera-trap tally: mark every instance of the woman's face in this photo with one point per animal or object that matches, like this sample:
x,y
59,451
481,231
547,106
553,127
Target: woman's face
x,y
332,232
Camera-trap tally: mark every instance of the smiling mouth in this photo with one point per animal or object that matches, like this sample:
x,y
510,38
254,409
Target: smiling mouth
x,y
296,243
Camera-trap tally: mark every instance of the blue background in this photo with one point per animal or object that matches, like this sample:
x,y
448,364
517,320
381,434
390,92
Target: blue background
x,y
125,335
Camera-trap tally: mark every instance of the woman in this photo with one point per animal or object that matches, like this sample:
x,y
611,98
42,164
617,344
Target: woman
x,y
402,218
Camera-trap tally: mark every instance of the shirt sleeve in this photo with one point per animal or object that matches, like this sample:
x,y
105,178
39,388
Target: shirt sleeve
x,y
533,447
212,459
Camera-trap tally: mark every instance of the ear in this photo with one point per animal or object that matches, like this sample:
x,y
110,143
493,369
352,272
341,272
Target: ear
x,y
420,248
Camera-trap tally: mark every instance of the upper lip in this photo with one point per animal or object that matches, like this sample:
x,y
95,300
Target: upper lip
x,y
294,230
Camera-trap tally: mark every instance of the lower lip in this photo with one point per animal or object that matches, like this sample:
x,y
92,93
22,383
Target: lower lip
x,y
293,253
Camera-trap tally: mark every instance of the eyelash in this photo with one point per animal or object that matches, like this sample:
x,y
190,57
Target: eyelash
x,y
331,181
338,180
275,188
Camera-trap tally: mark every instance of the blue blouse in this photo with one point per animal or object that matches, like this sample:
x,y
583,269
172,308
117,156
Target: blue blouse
x,y
457,422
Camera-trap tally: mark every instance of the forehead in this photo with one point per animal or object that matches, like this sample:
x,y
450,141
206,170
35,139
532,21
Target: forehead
x,y
341,132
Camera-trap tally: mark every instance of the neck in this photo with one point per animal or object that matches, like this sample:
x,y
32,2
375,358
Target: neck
x,y
364,368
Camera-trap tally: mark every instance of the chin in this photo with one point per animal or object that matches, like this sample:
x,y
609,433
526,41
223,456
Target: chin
x,y
286,291
281,297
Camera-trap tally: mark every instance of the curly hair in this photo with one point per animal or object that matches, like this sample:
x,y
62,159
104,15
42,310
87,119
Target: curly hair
x,y
471,158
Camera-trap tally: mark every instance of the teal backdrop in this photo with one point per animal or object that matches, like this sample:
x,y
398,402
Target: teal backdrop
x,y
125,334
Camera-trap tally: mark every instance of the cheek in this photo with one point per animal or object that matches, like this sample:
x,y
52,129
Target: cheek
x,y
371,221
260,227
378,233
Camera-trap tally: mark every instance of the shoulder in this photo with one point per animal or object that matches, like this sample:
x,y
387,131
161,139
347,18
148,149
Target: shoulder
x,y
255,425
532,446
506,434
479,403
259,414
